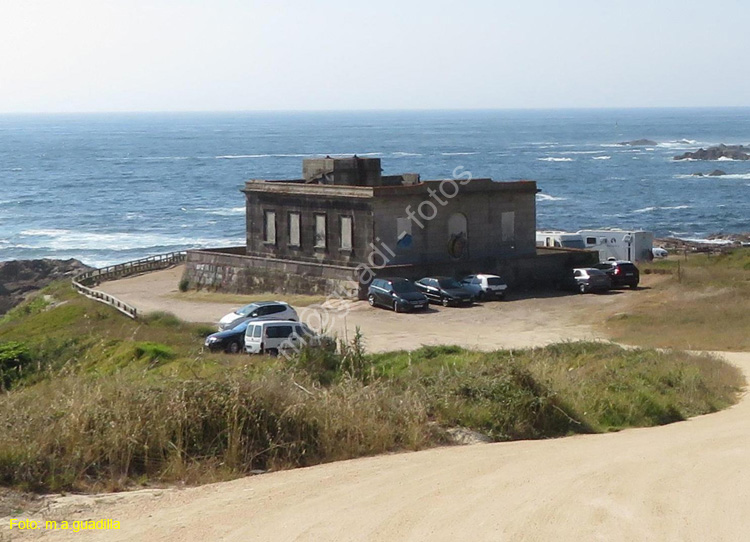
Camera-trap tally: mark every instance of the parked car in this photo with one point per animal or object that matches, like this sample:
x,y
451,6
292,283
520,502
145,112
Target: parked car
x,y
588,279
485,286
622,273
274,336
659,252
397,294
262,310
230,340
445,290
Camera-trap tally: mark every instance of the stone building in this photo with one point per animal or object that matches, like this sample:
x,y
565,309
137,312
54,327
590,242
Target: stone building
x,y
344,222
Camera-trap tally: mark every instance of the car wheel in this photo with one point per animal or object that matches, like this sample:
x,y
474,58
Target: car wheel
x,y
273,352
233,347
371,300
445,301
582,288
480,296
634,286
396,308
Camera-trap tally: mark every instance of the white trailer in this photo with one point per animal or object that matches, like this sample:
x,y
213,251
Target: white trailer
x,y
560,239
629,245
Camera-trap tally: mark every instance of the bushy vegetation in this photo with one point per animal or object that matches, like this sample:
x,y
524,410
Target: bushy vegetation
x,y
703,303
112,402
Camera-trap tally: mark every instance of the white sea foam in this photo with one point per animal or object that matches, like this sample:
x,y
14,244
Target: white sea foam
x,y
547,197
733,176
726,159
581,152
707,241
666,208
457,153
243,156
602,157
406,154
60,240
230,211
555,159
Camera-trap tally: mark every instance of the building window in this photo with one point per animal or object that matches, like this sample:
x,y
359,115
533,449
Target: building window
x,y
294,230
508,227
269,227
320,231
346,233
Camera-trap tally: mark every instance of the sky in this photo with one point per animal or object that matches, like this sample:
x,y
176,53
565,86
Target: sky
x,y
244,55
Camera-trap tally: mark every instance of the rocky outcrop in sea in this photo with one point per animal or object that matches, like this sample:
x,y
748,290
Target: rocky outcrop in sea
x,y
726,152
18,278
639,143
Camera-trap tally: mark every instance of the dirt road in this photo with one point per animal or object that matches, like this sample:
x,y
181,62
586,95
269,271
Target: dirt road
x,y
519,323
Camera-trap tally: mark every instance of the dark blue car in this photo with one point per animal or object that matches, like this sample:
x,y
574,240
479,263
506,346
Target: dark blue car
x,y
230,340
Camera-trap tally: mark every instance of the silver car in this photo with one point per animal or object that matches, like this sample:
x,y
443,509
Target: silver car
x,y
261,310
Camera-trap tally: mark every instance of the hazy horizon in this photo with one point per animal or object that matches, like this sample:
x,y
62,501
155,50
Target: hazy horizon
x,y
163,56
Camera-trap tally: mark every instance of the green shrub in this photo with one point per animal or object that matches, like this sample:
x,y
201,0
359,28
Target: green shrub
x,y
14,359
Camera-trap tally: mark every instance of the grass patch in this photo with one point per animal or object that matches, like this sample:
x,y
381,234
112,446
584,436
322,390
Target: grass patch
x,y
109,402
703,304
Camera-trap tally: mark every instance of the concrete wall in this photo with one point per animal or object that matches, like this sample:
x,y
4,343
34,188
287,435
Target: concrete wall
x,y
228,271
482,203
329,204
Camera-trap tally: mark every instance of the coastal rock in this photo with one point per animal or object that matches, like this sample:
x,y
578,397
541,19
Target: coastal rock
x,y
714,173
726,152
20,277
639,143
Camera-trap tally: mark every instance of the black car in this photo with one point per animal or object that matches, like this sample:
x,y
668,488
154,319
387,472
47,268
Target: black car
x,y
445,290
588,279
621,273
230,340
398,294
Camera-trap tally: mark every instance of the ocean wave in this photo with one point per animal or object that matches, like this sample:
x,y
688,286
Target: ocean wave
x,y
665,208
734,176
243,156
230,211
581,152
547,197
555,159
602,157
457,153
159,158
706,241
67,240
399,153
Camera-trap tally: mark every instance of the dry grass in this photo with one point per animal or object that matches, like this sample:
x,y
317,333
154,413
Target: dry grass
x,y
103,402
704,304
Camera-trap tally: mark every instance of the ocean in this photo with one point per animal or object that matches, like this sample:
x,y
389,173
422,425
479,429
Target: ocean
x,y
107,188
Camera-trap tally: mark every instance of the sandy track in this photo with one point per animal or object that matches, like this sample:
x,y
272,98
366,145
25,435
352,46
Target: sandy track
x,y
519,323
688,481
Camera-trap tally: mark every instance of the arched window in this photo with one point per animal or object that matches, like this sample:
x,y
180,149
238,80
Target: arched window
x,y
458,237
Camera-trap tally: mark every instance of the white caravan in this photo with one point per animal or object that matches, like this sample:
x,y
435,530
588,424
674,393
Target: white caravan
x,y
628,245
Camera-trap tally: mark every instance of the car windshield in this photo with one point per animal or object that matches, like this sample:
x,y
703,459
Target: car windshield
x,y
573,243
241,327
593,272
247,309
494,281
448,283
404,287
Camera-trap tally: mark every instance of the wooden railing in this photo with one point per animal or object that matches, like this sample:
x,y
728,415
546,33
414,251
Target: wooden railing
x,y
83,282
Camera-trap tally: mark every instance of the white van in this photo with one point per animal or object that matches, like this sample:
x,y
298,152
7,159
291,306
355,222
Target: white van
x,y
273,336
